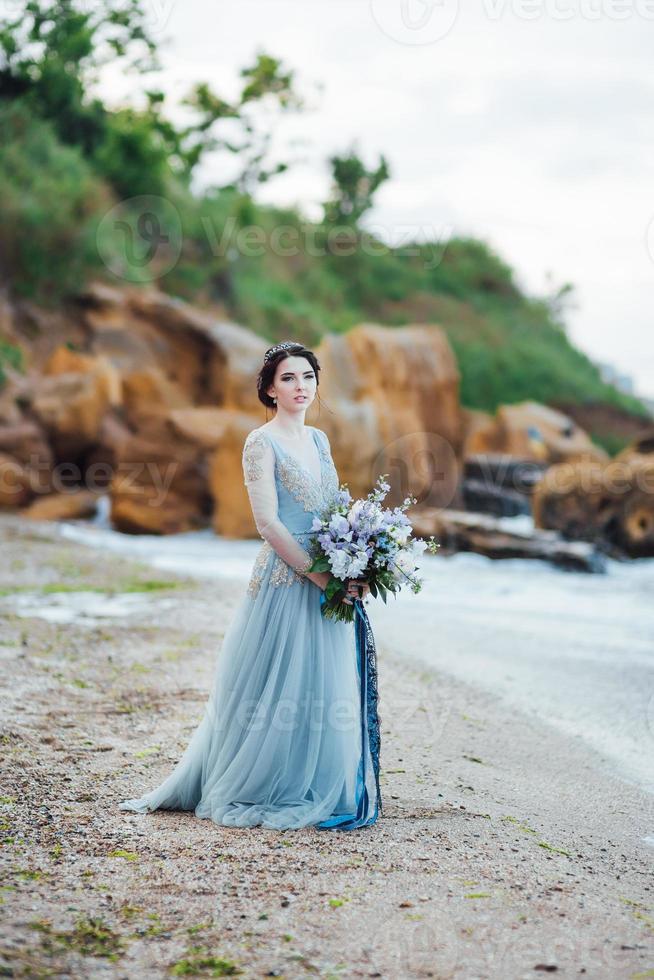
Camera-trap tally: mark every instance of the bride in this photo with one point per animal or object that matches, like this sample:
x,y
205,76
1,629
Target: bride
x,y
285,741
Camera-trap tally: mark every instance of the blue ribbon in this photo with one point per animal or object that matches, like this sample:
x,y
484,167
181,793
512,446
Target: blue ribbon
x,y
367,656
367,670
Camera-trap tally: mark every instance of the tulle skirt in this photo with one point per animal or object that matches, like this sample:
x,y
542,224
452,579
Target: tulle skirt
x,y
283,742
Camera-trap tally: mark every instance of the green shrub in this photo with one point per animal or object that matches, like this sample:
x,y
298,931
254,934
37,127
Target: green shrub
x,y
49,208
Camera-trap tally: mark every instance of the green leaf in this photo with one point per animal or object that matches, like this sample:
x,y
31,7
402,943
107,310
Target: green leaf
x,y
334,588
320,565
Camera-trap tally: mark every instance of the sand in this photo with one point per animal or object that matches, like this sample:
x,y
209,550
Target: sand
x,y
505,849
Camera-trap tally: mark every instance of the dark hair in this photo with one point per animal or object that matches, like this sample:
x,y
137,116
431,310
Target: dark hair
x,y
266,375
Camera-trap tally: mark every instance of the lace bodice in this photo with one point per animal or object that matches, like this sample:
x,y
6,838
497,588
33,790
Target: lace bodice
x,y
284,495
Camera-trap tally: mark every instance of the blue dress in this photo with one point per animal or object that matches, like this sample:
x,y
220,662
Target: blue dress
x,y
289,730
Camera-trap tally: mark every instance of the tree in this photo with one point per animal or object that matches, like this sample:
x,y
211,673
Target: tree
x,y
560,300
353,188
52,53
267,87
51,56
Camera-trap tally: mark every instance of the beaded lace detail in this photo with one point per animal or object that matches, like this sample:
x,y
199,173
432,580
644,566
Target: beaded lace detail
x,y
253,451
304,487
313,494
281,573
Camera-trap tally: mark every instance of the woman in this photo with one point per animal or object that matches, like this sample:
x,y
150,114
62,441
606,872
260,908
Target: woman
x,y
284,742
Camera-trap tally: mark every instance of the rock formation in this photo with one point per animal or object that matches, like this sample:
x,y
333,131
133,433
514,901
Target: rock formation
x,y
529,430
135,394
154,399
391,398
607,502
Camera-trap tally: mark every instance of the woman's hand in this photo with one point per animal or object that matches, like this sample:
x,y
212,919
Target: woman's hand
x,y
353,586
320,579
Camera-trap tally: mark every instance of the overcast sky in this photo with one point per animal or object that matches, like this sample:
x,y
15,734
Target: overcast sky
x,y
528,124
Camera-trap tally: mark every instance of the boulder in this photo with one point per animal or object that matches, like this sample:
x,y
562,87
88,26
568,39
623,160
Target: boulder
x,y
101,462
232,516
496,483
181,340
610,503
643,447
25,440
496,538
212,362
64,360
159,486
529,430
15,487
633,527
631,472
143,510
62,506
39,331
70,407
392,400
149,396
475,422
208,427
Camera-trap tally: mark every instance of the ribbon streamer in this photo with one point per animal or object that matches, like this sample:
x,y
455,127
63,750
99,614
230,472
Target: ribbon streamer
x,y
367,654
367,669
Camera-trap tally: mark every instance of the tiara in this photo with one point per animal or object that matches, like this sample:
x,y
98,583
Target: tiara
x,y
284,346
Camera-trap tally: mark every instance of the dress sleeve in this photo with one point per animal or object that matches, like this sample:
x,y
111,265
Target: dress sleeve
x,y
326,441
259,473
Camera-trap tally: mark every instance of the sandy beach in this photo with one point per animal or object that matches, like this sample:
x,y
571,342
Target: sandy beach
x,y
506,850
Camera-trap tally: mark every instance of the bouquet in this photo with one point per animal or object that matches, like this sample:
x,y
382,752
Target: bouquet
x,y
362,539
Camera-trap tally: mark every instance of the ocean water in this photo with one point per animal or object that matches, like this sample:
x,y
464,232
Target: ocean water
x,y
575,649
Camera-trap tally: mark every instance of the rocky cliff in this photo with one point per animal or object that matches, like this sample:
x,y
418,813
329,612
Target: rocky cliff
x,y
135,394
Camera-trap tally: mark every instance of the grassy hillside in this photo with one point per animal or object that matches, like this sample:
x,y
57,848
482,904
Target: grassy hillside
x,y
282,276
509,346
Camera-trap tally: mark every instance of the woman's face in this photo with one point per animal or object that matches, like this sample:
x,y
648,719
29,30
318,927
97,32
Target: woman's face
x,y
294,385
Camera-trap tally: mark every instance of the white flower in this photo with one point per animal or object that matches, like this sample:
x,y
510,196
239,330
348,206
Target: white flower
x,y
354,511
404,562
358,564
376,515
418,545
400,533
339,526
340,563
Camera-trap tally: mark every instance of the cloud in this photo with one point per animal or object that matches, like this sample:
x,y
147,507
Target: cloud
x,y
535,134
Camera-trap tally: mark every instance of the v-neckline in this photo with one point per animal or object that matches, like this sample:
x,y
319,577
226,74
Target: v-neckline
x,y
297,462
